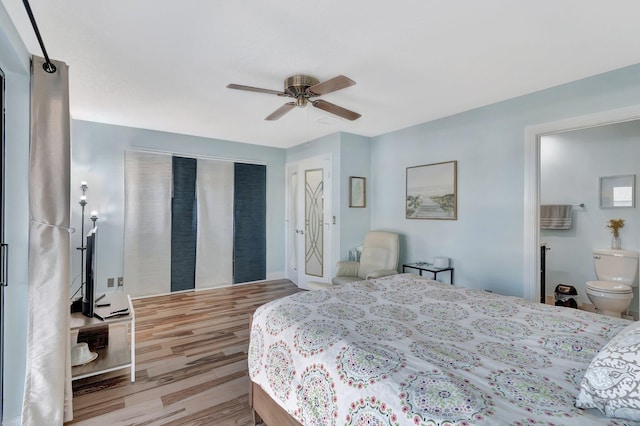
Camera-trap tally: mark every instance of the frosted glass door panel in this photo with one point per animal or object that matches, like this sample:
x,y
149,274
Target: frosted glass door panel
x,y
313,217
309,226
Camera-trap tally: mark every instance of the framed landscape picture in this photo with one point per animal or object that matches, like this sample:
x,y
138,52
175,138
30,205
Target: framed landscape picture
x,y
431,191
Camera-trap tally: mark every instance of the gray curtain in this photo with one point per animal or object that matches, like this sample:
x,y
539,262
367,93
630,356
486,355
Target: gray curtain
x,y
47,391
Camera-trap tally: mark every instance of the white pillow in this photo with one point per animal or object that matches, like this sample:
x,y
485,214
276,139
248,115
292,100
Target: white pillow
x,y
612,382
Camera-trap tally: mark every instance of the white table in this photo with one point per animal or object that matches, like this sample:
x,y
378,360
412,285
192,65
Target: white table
x,y
120,351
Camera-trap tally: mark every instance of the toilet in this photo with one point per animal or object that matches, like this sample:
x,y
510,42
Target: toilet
x,y
616,271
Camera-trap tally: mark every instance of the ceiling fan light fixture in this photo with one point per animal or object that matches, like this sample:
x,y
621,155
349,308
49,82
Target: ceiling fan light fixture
x,y
299,83
302,88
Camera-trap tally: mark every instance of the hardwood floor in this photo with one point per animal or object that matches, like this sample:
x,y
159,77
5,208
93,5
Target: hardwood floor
x,y
191,362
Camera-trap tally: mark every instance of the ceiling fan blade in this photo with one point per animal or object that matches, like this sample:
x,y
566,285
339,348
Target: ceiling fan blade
x,y
255,89
331,85
275,115
335,109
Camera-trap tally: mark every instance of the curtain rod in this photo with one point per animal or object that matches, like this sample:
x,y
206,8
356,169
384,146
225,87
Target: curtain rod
x,y
48,65
197,156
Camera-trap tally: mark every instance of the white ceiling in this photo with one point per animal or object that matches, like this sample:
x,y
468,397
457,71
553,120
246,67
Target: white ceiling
x,y
164,65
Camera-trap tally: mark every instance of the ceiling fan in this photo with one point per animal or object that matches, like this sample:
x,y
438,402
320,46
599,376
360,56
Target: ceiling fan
x,y
303,88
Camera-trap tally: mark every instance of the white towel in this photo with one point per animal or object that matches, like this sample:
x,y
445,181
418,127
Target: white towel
x,y
556,216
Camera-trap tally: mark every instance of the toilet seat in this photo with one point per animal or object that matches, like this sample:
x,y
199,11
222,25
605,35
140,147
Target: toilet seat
x,y
609,287
609,290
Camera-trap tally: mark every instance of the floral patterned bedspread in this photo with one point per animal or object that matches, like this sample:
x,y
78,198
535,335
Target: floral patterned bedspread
x,y
404,350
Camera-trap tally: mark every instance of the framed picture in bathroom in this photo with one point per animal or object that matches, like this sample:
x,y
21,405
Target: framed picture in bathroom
x,y
617,191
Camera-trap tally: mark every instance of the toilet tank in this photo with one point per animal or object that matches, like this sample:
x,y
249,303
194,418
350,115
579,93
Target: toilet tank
x,y
619,266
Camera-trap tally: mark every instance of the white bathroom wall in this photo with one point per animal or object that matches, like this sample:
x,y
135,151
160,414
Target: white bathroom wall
x,y
571,166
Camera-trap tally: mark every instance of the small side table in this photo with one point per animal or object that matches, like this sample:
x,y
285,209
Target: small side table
x,y
120,352
428,267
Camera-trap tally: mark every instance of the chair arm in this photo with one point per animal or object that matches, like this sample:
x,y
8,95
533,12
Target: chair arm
x,y
381,273
348,269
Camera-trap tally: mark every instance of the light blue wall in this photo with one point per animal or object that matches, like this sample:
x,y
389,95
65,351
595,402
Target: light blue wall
x,y
570,167
355,159
351,156
14,61
98,158
486,242
314,148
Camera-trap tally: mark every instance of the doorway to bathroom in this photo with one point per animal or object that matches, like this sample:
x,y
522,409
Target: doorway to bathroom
x,y
573,222
534,136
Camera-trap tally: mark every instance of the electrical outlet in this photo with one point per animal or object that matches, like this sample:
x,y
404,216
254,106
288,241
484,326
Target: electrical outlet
x,y
120,281
109,282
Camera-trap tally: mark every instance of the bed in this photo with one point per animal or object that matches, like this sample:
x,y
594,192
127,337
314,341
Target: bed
x,y
404,350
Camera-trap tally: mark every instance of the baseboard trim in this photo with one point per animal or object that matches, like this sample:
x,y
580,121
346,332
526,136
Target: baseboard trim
x,y
276,276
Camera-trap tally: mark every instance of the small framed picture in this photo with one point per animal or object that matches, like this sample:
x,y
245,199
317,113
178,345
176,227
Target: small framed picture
x,y
357,191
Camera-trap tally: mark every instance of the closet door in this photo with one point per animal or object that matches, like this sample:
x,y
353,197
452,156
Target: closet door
x,y
249,216
192,223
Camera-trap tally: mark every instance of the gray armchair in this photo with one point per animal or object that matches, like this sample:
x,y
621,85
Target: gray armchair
x,y
379,258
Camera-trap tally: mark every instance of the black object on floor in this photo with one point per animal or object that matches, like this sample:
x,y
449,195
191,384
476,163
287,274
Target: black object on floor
x,y
569,303
562,293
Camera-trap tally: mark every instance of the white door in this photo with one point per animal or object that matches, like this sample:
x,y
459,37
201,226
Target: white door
x,y
308,224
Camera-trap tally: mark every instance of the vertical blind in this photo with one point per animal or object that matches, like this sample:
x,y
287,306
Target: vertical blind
x,y
215,220
184,224
249,219
147,223
215,223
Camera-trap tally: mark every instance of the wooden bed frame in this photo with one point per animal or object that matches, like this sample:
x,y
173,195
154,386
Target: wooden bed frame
x,y
266,410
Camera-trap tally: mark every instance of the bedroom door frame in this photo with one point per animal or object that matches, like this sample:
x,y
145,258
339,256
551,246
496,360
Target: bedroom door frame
x,y
4,248
532,182
294,219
